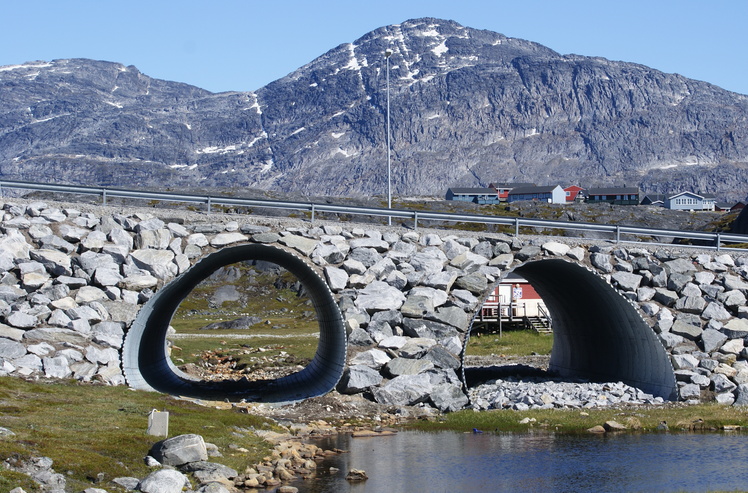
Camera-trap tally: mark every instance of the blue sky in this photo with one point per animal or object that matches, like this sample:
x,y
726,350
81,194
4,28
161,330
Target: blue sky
x,y
232,45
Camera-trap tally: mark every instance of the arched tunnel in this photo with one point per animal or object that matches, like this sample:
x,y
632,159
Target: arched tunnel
x,y
147,365
597,333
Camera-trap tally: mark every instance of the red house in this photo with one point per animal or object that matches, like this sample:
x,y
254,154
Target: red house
x,y
503,189
573,193
515,303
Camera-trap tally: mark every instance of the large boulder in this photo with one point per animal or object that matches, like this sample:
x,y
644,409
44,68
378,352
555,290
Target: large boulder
x,y
180,450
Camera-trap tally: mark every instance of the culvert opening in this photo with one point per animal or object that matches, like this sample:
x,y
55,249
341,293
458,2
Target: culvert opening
x,y
215,309
248,320
598,335
511,334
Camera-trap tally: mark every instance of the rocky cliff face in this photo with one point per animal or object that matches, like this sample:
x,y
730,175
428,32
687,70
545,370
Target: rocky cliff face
x,y
468,107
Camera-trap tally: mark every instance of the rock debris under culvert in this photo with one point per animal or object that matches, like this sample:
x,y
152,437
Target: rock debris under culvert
x,y
523,393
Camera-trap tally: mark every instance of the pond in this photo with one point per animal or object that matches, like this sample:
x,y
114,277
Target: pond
x,y
454,462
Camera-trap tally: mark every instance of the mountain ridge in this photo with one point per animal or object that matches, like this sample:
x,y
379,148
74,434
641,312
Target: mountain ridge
x,y
468,107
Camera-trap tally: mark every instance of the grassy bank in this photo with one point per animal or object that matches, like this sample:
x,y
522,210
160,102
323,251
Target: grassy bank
x,y
88,430
679,417
510,343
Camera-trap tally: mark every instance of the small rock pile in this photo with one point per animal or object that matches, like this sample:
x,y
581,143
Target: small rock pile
x,y
181,461
526,393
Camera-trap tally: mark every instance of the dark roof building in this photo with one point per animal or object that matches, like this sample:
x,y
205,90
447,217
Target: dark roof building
x,y
614,195
477,195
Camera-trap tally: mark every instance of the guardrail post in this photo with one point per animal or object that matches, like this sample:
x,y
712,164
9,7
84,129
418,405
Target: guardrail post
x,y
516,226
209,202
719,241
312,213
415,220
618,234
103,197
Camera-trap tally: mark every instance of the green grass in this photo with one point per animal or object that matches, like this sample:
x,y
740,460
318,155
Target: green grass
x,y
89,429
289,323
250,352
643,419
510,343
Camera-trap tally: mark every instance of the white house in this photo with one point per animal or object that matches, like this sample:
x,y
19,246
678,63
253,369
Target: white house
x,y
551,194
690,201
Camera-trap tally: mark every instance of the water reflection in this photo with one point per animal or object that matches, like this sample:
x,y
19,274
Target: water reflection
x,y
452,462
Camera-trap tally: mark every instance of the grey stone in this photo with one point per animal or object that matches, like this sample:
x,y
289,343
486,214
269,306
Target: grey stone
x,y
555,248
127,483
358,378
304,245
417,306
448,397
158,239
601,261
527,252
206,472
28,364
407,366
108,333
475,283
712,340
416,347
11,350
442,358
180,450
627,281
733,346
431,239
379,296
164,481
337,278
372,358
503,261
22,320
10,294
665,296
428,329
736,328
53,242
733,299
330,254
379,330
684,361
56,262
715,311
741,398
102,356
450,315
359,337
352,266
405,390
57,367
428,263
468,262
440,280
689,391
690,304
680,266
88,294
12,333
393,342
157,262
223,239
720,383
676,282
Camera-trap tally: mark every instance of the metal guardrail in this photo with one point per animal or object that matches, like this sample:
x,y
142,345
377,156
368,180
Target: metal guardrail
x,y
621,234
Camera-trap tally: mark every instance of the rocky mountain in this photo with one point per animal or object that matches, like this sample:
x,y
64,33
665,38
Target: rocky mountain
x,y
468,107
